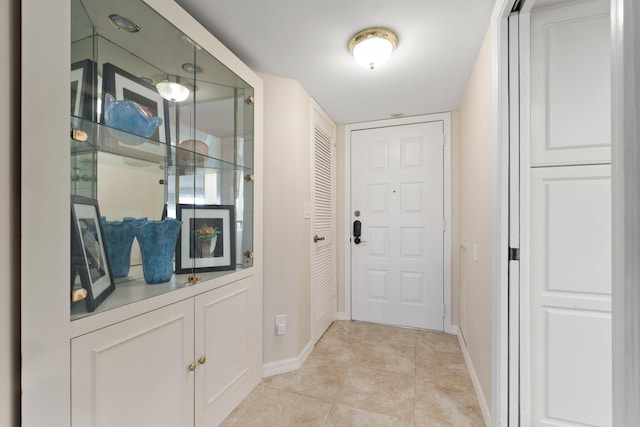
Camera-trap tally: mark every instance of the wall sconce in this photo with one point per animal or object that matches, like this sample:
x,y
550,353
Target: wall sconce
x,y
373,46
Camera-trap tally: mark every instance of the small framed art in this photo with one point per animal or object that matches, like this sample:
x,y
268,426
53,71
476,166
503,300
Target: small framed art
x,y
206,241
89,259
83,89
123,85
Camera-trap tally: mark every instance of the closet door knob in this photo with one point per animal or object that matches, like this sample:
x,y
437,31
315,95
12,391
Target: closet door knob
x,y
192,367
202,360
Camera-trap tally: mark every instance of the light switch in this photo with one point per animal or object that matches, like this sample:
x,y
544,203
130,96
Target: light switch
x,y
281,324
307,210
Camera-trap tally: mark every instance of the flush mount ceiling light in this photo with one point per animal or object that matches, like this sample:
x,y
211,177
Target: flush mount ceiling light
x,y
172,91
124,24
373,46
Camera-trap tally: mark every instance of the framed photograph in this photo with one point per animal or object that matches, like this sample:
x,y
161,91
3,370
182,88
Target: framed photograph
x,y
89,259
124,85
83,89
206,241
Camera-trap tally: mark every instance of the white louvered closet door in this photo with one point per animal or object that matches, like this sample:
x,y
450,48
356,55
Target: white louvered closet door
x,y
323,265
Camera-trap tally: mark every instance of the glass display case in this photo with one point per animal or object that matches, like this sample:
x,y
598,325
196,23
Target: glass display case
x,y
161,145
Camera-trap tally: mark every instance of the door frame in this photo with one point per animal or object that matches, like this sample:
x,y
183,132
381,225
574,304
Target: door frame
x,y
500,108
446,119
625,161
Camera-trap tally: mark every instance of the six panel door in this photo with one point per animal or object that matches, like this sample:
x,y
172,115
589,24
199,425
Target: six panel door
x,y
397,195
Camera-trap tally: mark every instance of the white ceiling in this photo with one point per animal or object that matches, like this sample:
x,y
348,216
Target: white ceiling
x,y
438,41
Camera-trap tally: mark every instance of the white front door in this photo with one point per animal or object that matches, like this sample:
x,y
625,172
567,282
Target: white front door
x,y
397,196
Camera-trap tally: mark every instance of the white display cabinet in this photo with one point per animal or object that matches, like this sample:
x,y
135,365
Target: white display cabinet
x,y
201,164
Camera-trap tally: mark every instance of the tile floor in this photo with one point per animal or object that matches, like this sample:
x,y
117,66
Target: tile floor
x,y
361,374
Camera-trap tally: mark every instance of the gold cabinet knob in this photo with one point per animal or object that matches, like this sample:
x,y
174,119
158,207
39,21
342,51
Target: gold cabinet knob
x,y
192,367
78,295
202,360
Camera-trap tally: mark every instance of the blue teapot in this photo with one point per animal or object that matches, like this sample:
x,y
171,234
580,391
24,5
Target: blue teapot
x,y
130,117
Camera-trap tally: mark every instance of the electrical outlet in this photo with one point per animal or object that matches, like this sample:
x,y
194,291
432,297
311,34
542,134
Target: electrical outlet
x,y
281,324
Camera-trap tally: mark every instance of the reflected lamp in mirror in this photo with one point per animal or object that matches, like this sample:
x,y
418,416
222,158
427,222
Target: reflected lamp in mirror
x,y
172,91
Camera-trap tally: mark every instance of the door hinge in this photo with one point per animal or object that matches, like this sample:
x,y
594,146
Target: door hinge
x,y
444,225
514,254
444,310
444,140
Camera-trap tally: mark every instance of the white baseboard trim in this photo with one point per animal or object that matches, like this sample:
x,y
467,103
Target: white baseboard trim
x,y
342,316
287,365
474,378
454,330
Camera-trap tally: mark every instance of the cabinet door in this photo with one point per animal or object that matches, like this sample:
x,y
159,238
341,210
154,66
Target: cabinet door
x,y
135,373
227,331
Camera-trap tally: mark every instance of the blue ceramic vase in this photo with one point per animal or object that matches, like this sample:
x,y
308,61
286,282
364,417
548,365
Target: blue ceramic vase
x,y
118,237
130,117
157,241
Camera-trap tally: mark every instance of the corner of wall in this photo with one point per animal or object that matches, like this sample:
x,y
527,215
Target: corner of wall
x,y
455,215
287,185
474,211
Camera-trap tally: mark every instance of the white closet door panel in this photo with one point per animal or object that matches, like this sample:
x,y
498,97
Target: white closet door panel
x,y
134,373
571,296
577,386
577,246
570,84
225,350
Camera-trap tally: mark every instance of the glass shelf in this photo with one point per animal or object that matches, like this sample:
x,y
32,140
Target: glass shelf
x,y
133,288
110,140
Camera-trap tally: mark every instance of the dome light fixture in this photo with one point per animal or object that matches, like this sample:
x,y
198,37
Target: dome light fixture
x,y
372,47
172,91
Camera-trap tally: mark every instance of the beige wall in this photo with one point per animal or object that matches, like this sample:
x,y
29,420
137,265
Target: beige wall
x,y
474,276
9,194
287,141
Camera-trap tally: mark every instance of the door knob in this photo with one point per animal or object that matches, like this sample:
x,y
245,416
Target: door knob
x,y
202,360
192,367
316,238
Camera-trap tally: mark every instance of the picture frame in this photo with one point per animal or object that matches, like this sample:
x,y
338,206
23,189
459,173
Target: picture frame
x,y
123,85
83,89
193,254
89,257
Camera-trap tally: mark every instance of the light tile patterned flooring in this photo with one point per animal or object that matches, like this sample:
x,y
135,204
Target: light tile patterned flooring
x,y
362,374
